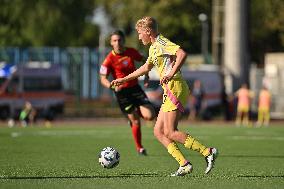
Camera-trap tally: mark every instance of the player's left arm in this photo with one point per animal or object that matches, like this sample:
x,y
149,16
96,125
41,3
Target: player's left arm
x,y
179,61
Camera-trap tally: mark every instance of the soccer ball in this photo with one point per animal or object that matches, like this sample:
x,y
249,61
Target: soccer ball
x,y
109,158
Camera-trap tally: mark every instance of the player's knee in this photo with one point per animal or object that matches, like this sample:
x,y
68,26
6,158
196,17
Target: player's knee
x,y
148,113
169,134
149,117
157,133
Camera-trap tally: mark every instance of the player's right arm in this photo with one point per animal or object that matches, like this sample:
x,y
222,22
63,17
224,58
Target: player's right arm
x,y
144,69
104,72
105,82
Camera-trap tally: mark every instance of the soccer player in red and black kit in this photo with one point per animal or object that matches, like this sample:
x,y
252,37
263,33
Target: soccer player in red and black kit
x,y
132,100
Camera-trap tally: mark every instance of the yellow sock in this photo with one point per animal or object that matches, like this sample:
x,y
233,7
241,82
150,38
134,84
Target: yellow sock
x,y
176,153
193,144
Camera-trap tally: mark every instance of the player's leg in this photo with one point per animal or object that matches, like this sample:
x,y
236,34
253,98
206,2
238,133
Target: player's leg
x,y
239,117
185,166
147,112
260,117
209,153
172,132
159,130
170,126
246,117
144,107
166,142
127,107
266,118
135,125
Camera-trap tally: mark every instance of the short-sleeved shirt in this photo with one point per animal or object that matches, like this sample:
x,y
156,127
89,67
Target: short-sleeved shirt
x,y
121,65
264,99
244,96
161,55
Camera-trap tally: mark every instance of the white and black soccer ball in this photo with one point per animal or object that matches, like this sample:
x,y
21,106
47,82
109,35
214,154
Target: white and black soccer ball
x,y
109,158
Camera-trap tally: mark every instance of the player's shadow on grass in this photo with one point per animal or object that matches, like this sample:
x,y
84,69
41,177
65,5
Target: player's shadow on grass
x,y
124,175
260,176
237,156
252,156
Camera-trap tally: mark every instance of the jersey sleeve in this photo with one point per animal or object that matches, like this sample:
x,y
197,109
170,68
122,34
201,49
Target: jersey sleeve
x,y
170,48
149,59
105,67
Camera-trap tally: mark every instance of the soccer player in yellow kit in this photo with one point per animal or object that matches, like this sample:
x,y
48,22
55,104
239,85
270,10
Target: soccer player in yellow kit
x,y
168,58
244,97
264,101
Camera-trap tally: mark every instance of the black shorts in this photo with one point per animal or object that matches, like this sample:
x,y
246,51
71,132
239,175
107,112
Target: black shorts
x,y
130,98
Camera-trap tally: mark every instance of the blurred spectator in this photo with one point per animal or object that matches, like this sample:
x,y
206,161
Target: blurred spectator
x,y
244,96
264,100
196,100
27,115
228,105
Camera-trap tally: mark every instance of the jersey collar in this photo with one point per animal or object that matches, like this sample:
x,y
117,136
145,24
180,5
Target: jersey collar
x,y
114,53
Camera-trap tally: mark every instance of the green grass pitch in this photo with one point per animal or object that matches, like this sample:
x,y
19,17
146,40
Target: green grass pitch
x,y
66,156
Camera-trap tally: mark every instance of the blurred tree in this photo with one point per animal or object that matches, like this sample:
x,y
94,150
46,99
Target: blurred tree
x,y
267,28
69,23
47,23
178,19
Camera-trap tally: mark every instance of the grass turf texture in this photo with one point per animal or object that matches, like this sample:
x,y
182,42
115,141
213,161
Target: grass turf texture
x,y
67,157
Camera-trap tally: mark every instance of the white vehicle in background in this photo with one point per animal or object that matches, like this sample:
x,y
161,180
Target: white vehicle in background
x,y
274,79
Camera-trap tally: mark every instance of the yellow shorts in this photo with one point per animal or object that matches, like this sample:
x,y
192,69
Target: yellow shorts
x,y
263,110
244,109
180,90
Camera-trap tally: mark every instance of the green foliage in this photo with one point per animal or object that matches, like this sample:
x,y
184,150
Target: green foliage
x,y
177,19
267,27
47,23
66,22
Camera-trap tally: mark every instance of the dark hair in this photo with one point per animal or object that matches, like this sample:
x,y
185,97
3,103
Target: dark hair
x,y
118,32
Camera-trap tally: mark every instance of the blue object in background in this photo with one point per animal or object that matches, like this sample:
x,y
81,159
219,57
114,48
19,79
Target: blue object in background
x,y
7,70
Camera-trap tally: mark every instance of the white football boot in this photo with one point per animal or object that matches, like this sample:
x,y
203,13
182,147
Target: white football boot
x,y
183,170
210,159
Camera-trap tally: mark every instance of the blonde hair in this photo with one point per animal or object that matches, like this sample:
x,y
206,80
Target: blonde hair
x,y
148,23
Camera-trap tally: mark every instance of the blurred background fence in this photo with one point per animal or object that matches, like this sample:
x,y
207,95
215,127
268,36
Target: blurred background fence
x,y
79,75
80,66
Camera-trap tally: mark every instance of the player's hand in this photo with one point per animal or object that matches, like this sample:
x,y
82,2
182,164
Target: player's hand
x,y
117,82
166,79
115,88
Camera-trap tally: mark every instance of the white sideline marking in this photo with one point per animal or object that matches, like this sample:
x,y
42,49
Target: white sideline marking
x,y
15,134
104,134
64,133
